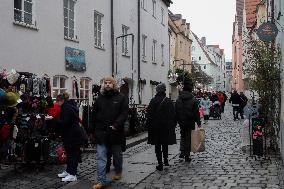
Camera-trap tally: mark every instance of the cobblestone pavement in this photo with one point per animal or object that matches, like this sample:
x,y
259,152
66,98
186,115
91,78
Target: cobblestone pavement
x,y
222,165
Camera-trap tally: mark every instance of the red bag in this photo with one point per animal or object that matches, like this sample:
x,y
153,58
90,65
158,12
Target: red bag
x,y
61,155
5,132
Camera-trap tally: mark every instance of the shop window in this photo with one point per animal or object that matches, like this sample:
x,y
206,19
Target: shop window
x,y
23,11
69,19
59,85
84,88
98,29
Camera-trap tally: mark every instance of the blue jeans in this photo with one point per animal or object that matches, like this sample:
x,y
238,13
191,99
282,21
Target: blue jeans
x,y
102,161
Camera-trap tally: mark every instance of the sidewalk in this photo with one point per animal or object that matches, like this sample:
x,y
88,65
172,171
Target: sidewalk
x,y
46,177
139,163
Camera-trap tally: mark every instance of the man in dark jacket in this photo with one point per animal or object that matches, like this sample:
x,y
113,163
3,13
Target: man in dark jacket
x,y
71,135
110,113
235,100
187,112
243,103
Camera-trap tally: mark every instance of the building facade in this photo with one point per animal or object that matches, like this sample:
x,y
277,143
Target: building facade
x,y
180,47
81,40
211,60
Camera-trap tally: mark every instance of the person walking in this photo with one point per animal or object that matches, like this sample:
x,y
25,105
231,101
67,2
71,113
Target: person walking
x,y
71,135
243,103
187,112
161,123
235,100
110,113
205,104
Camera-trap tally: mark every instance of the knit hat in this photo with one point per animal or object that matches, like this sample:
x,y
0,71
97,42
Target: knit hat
x,y
161,88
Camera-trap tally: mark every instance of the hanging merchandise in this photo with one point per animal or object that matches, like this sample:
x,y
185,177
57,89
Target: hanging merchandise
x,y
12,77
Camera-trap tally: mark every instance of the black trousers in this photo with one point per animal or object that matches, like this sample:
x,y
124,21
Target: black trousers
x,y
241,110
185,142
161,150
73,154
236,112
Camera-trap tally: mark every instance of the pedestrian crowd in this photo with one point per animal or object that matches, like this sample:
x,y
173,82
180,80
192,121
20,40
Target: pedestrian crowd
x,y
163,115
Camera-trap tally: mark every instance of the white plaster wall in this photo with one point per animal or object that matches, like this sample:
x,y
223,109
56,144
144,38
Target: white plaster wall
x,y
43,51
154,29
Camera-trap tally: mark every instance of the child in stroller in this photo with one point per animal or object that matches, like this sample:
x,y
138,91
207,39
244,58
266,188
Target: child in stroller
x,y
215,110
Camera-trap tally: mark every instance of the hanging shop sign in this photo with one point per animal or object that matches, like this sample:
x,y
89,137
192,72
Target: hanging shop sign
x,y
257,136
267,32
75,59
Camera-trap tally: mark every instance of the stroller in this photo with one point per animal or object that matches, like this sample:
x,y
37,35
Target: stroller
x,y
215,110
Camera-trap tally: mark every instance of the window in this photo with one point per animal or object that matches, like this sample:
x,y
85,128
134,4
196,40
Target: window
x,y
124,40
162,12
162,49
200,58
154,8
23,11
143,4
84,88
69,19
154,51
98,29
144,38
59,85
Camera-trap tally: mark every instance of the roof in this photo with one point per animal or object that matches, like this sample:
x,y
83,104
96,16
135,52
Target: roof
x,y
203,49
168,2
251,14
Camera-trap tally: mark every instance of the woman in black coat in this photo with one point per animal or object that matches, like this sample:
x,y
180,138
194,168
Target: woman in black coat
x,y
71,135
161,123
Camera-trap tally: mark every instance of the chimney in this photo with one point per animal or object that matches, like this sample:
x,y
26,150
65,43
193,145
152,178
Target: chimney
x,y
203,41
188,25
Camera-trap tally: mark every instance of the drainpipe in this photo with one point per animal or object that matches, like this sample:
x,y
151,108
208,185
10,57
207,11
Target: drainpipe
x,y
139,52
112,38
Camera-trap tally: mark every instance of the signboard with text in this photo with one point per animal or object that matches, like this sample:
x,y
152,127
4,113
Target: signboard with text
x,y
267,32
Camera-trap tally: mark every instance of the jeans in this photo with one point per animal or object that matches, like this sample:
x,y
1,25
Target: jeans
x,y
73,154
102,161
159,152
185,142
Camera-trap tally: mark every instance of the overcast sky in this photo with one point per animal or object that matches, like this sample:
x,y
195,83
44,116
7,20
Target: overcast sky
x,y
210,18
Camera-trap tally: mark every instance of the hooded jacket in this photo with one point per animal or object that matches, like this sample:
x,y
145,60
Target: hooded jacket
x,y
187,110
69,120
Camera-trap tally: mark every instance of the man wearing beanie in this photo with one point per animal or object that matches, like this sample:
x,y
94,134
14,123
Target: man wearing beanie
x,y
161,123
110,113
187,113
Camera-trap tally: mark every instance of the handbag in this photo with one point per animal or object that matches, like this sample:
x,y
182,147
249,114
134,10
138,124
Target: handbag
x,y
198,140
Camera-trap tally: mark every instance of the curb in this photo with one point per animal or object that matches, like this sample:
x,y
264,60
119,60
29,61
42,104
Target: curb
x,y
128,145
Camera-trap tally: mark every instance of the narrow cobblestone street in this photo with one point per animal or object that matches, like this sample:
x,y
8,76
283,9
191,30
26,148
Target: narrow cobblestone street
x,y
222,165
